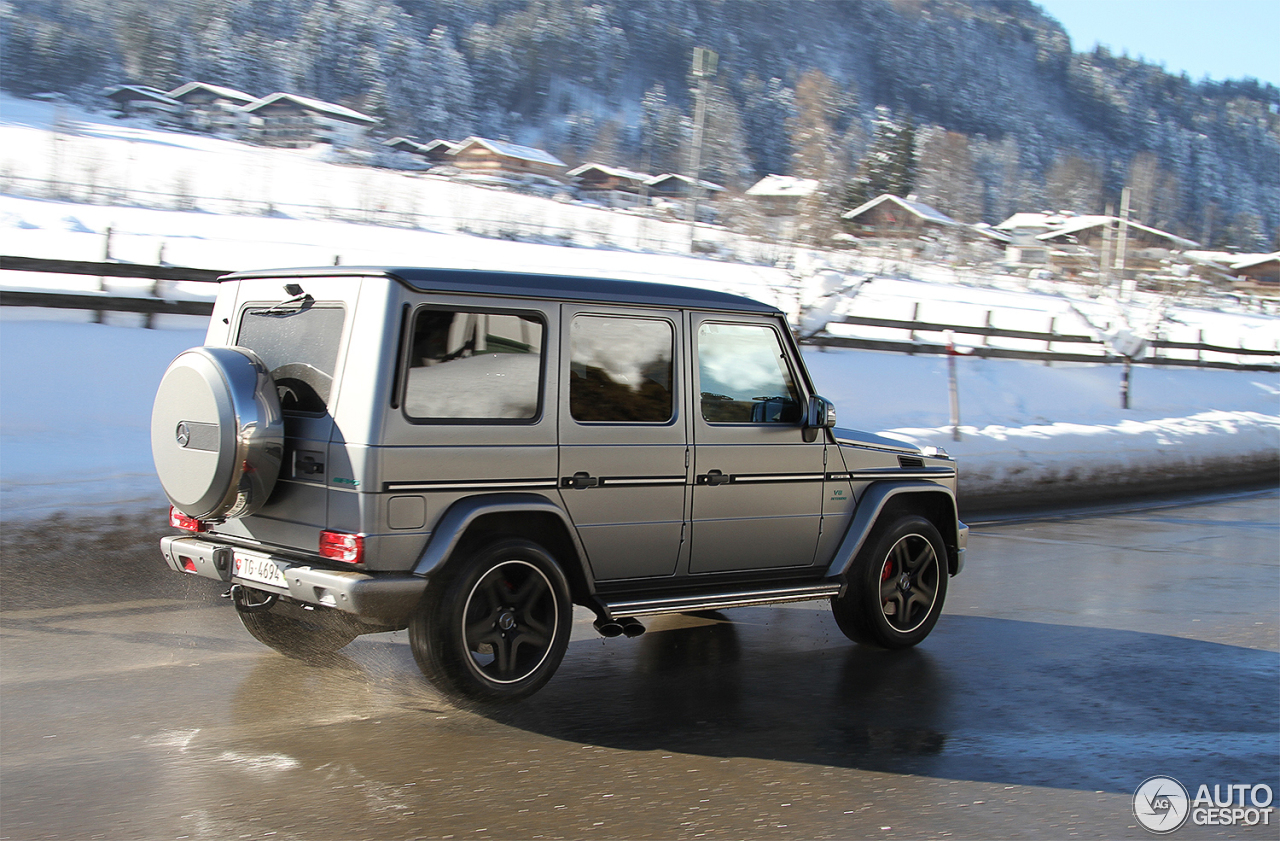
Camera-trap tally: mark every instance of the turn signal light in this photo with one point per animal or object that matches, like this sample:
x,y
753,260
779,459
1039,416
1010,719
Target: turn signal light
x,y
338,546
181,521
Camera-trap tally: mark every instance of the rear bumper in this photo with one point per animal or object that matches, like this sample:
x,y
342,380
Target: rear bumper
x,y
380,598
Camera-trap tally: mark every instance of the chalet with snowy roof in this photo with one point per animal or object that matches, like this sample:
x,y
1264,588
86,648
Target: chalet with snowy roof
x,y
1090,231
1078,243
891,219
142,101
498,158
1260,271
1034,238
1023,229
212,108
673,186
404,144
285,119
439,151
609,185
780,195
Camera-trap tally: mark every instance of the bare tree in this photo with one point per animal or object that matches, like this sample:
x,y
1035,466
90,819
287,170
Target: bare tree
x,y
1074,184
945,178
815,154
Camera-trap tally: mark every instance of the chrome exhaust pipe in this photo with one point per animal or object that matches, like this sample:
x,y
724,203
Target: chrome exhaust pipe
x,y
608,627
631,626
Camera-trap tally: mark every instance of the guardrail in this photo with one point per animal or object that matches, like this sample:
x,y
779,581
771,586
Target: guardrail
x,y
913,346
151,306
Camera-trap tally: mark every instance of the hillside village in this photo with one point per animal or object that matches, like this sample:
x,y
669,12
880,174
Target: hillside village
x,y
1095,247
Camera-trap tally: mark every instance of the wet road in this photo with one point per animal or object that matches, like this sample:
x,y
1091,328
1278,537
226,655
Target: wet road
x,y
1078,656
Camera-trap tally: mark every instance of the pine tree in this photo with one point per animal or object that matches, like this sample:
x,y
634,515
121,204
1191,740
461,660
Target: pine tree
x,y
889,165
661,132
767,108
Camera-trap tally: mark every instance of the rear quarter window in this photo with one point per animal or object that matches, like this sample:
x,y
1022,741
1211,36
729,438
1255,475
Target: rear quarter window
x,y
475,366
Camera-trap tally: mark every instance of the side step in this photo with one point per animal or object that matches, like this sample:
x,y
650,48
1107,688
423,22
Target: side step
x,y
716,601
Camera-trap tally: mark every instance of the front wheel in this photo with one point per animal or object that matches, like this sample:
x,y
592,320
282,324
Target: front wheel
x,y
896,589
497,629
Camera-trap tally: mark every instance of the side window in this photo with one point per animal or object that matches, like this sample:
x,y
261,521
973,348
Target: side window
x,y
620,369
477,366
299,344
743,375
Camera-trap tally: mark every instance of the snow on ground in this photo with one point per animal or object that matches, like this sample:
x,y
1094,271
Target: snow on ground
x,y
75,405
75,397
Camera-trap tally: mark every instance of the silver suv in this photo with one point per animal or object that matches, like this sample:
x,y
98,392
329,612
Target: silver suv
x,y
468,454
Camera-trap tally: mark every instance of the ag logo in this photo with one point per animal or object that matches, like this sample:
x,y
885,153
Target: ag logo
x,y
183,434
1161,804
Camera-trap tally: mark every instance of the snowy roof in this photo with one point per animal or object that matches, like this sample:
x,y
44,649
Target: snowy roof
x,y
991,233
1076,224
404,144
512,150
616,172
920,209
449,145
1249,261
783,185
669,176
338,111
225,93
130,92
1034,220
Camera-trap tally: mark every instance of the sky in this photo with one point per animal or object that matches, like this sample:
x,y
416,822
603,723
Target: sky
x,y
1221,39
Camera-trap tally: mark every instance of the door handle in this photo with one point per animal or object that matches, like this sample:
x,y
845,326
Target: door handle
x,y
579,481
714,477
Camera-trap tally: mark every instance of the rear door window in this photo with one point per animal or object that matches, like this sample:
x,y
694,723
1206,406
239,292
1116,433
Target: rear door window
x,y
620,369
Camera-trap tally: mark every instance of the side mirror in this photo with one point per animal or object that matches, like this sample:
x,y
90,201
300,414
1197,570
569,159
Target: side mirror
x,y
820,414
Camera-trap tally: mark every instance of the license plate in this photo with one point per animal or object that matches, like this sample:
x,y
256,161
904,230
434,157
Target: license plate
x,y
259,569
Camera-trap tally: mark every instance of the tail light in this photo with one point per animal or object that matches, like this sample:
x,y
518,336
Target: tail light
x,y
181,521
339,546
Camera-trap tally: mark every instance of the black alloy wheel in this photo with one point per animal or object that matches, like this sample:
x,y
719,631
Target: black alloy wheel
x,y
498,629
897,588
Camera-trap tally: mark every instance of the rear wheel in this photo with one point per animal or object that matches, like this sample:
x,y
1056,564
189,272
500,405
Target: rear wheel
x,y
497,629
303,638
897,588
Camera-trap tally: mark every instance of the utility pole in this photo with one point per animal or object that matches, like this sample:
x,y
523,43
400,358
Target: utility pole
x,y
1122,242
1104,259
704,67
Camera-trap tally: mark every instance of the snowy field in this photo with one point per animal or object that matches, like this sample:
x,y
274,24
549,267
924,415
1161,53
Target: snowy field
x,y
75,397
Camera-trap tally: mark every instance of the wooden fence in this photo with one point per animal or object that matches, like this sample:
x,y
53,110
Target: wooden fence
x,y
1085,348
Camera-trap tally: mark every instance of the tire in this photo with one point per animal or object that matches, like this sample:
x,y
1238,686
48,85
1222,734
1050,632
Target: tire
x,y
217,432
896,589
308,639
496,628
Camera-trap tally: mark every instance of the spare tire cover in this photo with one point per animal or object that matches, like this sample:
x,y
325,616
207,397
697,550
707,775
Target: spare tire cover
x,y
217,433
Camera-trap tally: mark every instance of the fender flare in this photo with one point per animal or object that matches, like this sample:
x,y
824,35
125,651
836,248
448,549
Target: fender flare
x,y
455,521
874,499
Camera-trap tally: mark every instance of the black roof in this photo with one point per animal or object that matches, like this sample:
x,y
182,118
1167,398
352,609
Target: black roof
x,y
531,285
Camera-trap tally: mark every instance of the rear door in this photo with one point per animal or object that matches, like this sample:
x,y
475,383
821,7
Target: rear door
x,y
758,485
623,442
